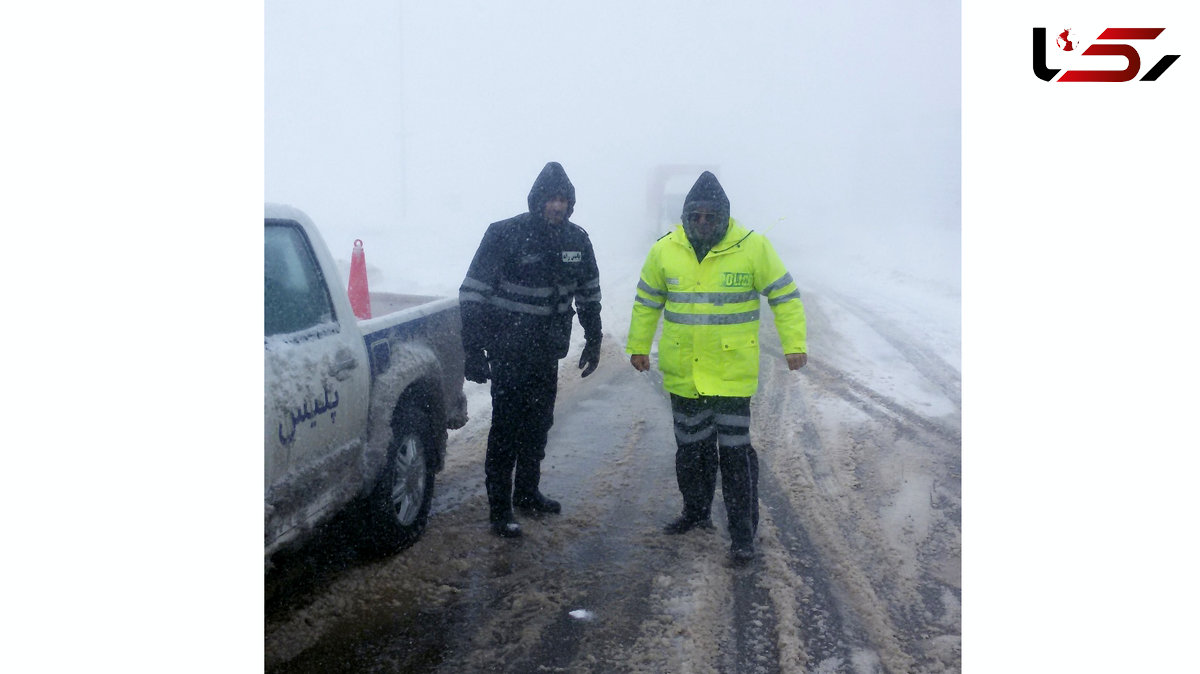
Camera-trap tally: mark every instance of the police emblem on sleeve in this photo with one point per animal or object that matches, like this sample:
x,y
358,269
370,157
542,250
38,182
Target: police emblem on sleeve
x,y
572,255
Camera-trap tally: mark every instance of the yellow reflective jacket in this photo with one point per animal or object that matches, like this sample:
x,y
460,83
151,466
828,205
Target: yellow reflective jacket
x,y
710,309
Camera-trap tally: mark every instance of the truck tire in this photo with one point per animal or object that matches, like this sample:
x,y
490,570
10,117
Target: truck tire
x,y
399,505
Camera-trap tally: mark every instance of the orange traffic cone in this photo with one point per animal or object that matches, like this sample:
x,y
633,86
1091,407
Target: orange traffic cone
x,y
360,298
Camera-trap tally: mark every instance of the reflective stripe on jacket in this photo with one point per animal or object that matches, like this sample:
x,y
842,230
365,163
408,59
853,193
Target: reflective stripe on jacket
x,y
523,288
710,311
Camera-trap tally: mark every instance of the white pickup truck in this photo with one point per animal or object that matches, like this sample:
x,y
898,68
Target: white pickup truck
x,y
356,410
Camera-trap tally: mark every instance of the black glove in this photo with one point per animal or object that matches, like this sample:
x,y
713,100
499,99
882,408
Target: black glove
x,y
590,357
475,368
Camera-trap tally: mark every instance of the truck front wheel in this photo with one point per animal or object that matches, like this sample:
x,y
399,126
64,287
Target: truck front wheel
x,y
401,500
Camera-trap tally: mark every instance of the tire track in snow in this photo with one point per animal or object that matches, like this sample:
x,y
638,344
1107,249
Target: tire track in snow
x,y
873,403
846,464
817,622
840,382
755,625
844,611
932,366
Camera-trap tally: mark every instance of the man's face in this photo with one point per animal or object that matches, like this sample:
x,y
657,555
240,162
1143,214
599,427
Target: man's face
x,y
703,223
555,210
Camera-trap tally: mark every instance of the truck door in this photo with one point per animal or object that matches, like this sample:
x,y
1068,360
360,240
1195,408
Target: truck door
x,y
317,375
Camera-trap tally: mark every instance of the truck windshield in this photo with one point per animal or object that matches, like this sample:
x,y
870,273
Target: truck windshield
x,y
296,297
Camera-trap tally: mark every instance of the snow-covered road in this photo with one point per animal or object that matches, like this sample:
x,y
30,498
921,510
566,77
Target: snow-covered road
x,y
860,536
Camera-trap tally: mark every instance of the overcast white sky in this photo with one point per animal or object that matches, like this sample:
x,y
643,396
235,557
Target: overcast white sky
x,y
412,125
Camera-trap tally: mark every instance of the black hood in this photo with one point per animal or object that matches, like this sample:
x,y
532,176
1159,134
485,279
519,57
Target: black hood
x,y
706,194
551,182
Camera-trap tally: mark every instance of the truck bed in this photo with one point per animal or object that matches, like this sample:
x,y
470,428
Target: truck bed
x,y
387,303
419,322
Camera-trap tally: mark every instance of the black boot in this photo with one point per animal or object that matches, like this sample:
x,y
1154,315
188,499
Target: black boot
x,y
741,554
506,527
537,503
684,524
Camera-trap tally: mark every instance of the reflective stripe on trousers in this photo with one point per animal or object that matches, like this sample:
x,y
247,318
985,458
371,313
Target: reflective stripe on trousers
x,y
712,435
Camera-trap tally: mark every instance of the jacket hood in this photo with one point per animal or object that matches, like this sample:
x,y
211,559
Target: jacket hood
x,y
707,195
707,192
551,182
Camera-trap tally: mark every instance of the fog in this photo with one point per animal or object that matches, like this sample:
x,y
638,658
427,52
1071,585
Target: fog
x,y
834,126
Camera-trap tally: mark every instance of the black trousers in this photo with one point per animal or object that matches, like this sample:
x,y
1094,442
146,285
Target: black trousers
x,y
523,394
713,433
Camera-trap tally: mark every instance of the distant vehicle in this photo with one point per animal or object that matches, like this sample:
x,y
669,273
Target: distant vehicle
x,y
356,411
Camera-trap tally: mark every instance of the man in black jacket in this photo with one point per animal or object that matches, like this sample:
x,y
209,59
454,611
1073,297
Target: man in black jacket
x,y
516,306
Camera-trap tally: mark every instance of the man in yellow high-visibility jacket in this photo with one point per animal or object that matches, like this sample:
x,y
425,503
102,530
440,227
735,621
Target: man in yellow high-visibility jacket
x,y
705,279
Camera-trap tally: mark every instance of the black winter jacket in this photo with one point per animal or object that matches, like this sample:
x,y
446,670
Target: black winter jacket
x,y
516,300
